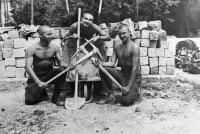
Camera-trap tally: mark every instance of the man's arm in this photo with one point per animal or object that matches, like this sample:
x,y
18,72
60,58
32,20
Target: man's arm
x,y
29,69
58,58
102,35
72,30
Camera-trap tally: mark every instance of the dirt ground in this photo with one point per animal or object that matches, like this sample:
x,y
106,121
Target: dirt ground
x,y
160,110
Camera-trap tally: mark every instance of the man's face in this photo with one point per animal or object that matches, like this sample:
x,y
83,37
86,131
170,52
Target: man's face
x,y
123,33
87,19
46,35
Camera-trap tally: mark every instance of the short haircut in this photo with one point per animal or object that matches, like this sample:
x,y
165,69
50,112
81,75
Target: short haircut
x,y
41,29
124,26
87,13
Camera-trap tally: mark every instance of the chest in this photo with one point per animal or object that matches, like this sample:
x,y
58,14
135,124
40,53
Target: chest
x,y
44,53
123,52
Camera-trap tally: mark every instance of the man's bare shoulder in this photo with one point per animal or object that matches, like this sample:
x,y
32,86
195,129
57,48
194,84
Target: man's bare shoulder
x,y
135,48
32,48
117,44
54,46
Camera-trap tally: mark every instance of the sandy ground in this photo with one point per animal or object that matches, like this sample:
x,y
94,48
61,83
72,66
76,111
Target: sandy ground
x,y
174,110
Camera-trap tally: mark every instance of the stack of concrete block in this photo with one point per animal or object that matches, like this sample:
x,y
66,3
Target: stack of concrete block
x,y
12,55
155,56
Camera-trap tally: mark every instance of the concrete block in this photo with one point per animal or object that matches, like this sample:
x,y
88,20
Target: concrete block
x,y
29,43
142,24
155,25
160,52
170,70
168,78
137,34
1,45
162,61
4,36
19,53
144,69
153,62
34,35
160,23
109,51
145,34
162,35
137,42
169,53
56,42
7,52
106,30
55,34
143,51
13,34
20,72
153,78
1,55
153,35
8,43
109,43
152,52
154,70
3,73
20,62
163,44
153,43
19,43
162,70
10,62
10,72
2,64
144,61
144,42
13,84
170,61
103,26
33,39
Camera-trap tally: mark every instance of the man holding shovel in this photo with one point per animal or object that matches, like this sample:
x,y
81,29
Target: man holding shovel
x,y
39,65
128,55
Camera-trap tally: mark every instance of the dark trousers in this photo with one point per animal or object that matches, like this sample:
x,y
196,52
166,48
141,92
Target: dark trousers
x,y
120,77
34,94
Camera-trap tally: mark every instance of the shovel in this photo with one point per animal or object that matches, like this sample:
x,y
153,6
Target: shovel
x,y
76,102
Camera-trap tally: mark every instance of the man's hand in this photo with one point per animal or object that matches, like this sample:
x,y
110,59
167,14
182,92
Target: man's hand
x,y
75,36
42,84
96,63
95,39
125,90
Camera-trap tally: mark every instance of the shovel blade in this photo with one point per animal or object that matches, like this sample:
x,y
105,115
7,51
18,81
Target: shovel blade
x,y
74,103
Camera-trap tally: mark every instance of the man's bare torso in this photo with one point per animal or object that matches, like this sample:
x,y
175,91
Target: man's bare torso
x,y
43,58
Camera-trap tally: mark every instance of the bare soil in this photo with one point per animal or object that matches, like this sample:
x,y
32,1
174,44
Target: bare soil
x,y
162,109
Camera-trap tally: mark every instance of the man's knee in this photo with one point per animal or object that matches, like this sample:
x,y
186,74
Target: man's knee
x,y
126,101
29,100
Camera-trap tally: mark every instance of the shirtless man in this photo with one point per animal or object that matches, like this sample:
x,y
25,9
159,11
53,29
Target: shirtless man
x,y
128,55
39,65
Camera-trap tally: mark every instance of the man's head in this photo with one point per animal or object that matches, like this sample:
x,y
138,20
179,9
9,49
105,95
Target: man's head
x,y
45,33
123,32
87,19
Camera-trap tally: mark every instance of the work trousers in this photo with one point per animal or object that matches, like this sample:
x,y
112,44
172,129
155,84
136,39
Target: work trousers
x,y
34,94
122,78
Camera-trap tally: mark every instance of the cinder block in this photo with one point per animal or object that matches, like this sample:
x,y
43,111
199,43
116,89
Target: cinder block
x,y
145,34
8,43
170,61
2,64
144,61
103,26
29,43
162,61
137,34
109,51
169,53
55,34
153,35
163,44
13,34
152,52
170,70
154,24
3,73
109,43
142,24
19,53
160,52
160,23
20,62
1,45
10,72
162,70
34,35
153,62
143,51
19,43
56,42
7,52
153,43
162,35
1,55
144,42
154,70
33,39
153,78
137,42
144,69
20,72
4,36
10,62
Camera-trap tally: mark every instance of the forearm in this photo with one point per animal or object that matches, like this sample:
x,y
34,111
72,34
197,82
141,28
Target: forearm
x,y
132,78
32,74
104,37
107,64
63,64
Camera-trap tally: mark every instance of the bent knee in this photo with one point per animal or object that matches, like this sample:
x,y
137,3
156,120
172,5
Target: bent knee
x,y
127,101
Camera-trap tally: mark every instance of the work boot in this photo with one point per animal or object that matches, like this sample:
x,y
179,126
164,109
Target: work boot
x,y
109,99
56,100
